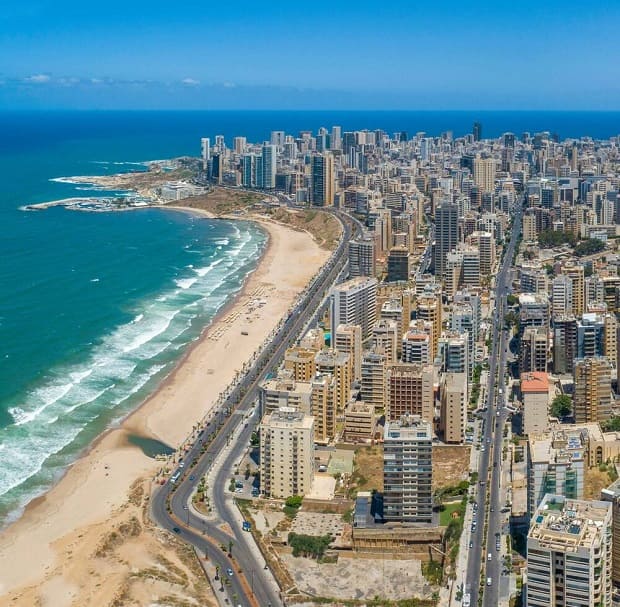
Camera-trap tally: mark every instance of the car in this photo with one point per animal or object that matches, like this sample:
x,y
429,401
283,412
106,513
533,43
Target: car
x,y
176,530
471,544
492,509
181,464
192,477
483,448
489,581
229,572
489,557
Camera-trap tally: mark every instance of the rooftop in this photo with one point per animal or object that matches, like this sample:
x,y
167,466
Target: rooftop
x,y
534,382
569,524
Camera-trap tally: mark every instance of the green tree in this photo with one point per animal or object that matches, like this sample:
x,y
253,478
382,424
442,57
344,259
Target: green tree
x,y
561,406
588,247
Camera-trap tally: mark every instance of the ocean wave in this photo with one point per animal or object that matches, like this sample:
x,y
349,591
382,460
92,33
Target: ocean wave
x,y
53,421
185,283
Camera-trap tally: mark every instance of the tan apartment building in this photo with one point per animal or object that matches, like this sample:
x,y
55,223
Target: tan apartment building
x,y
348,339
337,364
286,453
592,394
409,391
453,410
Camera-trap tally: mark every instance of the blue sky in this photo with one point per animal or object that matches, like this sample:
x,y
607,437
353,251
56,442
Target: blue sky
x,y
387,54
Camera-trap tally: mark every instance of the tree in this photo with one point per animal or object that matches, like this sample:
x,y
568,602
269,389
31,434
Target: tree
x,y
561,406
588,247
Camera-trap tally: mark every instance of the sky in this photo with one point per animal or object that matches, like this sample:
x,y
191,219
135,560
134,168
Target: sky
x,y
241,54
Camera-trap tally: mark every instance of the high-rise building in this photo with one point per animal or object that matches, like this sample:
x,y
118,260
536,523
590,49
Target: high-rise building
x,y
453,410
533,354
446,234
205,152
323,184
300,362
555,464
286,453
409,391
335,142
324,391
592,394
416,347
484,173
408,471
535,397
477,131
362,260
564,343
429,308
338,364
398,264
569,553
576,273
284,391
269,166
562,295
348,339
373,380
385,334
354,302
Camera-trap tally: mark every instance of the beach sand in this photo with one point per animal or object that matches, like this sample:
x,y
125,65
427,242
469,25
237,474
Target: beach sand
x,y
79,544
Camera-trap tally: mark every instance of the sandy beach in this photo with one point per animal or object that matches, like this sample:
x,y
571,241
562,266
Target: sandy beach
x,y
88,541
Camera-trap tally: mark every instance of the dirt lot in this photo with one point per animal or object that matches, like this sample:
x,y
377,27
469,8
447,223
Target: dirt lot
x,y
450,465
352,578
323,227
368,468
594,481
221,201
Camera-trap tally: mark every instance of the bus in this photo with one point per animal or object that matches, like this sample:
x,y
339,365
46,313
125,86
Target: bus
x,y
175,477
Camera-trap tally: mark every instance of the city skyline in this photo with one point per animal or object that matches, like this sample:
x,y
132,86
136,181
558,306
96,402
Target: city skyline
x,y
285,56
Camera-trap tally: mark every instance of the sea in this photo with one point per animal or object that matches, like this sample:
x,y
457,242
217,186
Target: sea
x,y
97,308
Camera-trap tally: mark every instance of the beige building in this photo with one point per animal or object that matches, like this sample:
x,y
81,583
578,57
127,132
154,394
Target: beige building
x,y
384,339
286,453
569,553
453,412
348,339
535,396
314,340
529,227
484,173
373,387
337,364
359,422
323,407
284,391
409,391
576,274
429,308
592,396
300,362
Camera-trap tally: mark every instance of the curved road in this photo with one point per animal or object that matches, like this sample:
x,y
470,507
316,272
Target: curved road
x,y
250,584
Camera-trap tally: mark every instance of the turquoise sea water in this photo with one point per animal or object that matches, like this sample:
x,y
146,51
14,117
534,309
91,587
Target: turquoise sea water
x,y
95,308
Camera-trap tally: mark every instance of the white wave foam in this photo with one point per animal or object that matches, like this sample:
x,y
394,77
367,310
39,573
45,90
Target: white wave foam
x,y
146,336
185,283
204,271
222,241
137,319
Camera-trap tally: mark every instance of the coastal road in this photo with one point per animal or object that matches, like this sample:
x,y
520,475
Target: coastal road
x,y
250,583
487,493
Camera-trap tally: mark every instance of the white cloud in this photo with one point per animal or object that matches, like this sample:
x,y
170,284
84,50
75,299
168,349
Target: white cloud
x,y
37,79
229,85
190,81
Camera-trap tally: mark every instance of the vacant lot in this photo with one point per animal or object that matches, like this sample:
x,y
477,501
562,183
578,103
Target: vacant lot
x,y
450,465
221,201
594,481
368,468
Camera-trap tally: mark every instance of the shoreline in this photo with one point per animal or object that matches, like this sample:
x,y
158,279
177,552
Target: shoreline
x,y
84,496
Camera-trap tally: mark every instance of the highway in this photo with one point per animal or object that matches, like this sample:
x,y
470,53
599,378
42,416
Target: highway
x,y
250,582
487,492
